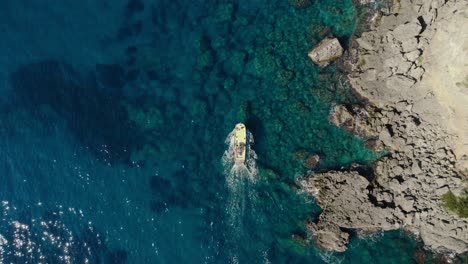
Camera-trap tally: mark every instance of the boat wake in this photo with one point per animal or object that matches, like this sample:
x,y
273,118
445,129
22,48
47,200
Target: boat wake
x,y
240,179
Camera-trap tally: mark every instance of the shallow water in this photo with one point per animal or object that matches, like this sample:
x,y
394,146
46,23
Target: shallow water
x,y
113,121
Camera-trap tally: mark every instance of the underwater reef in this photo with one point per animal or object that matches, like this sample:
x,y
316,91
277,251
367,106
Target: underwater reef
x,y
251,68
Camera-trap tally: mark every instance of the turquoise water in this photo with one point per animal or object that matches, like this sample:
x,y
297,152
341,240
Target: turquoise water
x,y
113,121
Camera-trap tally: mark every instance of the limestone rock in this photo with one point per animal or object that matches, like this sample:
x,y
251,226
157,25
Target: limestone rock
x,y
406,31
416,72
329,236
341,117
409,45
366,41
413,55
326,51
345,197
399,82
311,161
394,68
443,240
405,203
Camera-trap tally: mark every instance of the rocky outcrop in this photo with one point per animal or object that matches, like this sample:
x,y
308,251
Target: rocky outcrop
x,y
417,54
407,117
354,120
328,236
341,116
405,191
344,207
326,51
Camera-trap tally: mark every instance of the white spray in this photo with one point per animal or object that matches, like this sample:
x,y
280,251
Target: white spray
x,y
240,179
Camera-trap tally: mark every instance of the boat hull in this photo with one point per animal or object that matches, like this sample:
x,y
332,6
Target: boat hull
x,y
240,143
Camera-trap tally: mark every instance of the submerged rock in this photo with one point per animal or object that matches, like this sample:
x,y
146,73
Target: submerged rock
x,y
300,4
328,236
326,51
311,161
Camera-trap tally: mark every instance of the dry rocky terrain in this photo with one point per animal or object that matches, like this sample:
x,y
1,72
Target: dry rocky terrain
x,y
412,70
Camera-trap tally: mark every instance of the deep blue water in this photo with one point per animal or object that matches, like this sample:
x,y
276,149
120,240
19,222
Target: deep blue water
x,y
113,117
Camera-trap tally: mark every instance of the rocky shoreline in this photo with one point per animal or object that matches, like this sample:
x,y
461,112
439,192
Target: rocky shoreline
x,y
416,92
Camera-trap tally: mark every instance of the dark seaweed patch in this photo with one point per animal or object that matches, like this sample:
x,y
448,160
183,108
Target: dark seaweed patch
x,y
129,31
97,119
134,6
110,75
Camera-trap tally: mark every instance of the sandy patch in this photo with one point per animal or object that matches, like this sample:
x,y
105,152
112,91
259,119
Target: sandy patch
x,y
446,64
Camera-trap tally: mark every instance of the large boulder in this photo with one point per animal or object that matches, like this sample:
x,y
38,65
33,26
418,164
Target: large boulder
x,y
344,198
353,122
328,236
341,117
326,51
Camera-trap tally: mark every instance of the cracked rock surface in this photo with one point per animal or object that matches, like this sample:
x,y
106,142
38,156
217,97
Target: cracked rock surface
x,y
413,116
326,51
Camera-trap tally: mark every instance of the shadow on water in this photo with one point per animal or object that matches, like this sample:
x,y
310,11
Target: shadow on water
x,y
256,126
96,118
167,194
